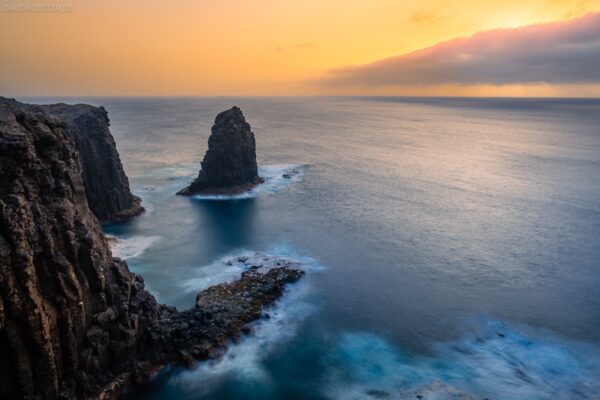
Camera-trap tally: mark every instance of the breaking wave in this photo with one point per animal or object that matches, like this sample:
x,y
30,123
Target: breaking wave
x,y
498,362
276,178
230,267
132,247
244,360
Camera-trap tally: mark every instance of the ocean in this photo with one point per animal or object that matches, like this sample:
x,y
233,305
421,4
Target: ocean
x,y
452,245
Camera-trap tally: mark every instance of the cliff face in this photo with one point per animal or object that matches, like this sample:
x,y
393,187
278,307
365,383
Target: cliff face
x,y
229,164
70,315
74,322
106,185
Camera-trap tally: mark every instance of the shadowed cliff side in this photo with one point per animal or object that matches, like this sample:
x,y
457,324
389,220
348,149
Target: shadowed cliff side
x,y
70,314
106,185
229,165
74,322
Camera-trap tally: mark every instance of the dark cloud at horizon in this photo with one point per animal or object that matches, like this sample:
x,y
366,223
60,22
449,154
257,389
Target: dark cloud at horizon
x,y
565,52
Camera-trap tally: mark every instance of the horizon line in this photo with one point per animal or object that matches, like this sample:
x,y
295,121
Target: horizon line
x,y
132,96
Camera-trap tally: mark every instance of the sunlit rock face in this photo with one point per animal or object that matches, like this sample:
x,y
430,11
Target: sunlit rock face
x,y
229,165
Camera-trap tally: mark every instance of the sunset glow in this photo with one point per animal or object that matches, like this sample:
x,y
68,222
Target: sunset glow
x,y
264,47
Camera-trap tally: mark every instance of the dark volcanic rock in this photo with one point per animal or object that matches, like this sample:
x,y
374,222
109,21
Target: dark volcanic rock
x,y
229,165
74,322
106,185
246,295
222,312
71,315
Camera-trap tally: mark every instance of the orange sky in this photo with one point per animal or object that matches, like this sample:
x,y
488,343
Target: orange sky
x,y
236,47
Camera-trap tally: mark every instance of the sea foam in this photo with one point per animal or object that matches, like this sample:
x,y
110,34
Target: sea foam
x,y
277,177
244,359
497,362
230,267
130,247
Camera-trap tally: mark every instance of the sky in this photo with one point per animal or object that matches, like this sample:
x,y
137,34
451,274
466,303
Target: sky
x,y
300,47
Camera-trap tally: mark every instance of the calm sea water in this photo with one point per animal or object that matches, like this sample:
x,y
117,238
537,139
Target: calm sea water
x,y
447,240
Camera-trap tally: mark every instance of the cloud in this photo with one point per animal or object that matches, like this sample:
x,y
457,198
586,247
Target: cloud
x,y
424,18
570,8
566,52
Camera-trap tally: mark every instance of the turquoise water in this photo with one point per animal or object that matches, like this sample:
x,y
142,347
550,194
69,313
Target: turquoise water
x,y
452,245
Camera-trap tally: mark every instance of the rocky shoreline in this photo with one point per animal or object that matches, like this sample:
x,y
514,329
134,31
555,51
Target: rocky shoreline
x,y
221,314
75,323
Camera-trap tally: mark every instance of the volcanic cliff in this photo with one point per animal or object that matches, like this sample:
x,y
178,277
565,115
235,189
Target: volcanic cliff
x,y
75,323
106,185
229,165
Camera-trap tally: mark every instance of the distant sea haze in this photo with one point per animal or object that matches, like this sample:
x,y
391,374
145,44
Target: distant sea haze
x,y
452,244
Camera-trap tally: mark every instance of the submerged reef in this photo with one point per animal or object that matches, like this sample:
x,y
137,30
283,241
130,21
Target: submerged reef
x,y
74,321
229,165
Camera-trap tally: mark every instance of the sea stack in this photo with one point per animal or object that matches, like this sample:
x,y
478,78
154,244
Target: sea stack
x,y
229,165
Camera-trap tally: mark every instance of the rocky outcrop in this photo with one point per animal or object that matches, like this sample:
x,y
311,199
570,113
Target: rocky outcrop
x,y
229,165
71,315
106,185
222,313
74,322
